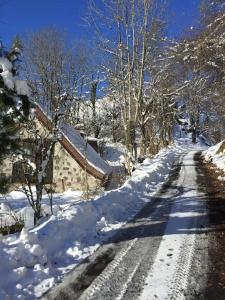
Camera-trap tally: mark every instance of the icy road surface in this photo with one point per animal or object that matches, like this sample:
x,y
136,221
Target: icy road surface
x,y
161,254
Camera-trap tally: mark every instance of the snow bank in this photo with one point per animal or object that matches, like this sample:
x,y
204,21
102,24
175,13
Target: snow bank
x,y
38,258
216,155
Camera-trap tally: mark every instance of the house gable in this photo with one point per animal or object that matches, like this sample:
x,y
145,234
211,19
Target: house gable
x,y
88,159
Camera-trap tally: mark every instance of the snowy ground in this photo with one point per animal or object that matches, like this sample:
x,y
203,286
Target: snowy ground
x,y
160,254
38,258
15,204
216,155
174,257
114,153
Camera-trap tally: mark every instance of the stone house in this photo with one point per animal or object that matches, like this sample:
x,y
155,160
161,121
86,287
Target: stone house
x,y
75,163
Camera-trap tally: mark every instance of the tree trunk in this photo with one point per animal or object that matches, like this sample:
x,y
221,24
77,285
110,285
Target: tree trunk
x,y
94,86
130,138
143,146
194,136
37,212
193,130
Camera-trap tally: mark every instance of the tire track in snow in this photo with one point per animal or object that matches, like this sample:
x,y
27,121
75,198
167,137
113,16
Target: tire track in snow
x,y
180,284
156,248
169,275
115,282
105,276
118,275
129,280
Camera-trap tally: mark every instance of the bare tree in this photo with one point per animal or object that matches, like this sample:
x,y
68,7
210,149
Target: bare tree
x,y
201,56
50,67
136,31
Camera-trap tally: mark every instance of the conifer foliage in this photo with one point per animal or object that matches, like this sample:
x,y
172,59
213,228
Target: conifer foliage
x,y
14,102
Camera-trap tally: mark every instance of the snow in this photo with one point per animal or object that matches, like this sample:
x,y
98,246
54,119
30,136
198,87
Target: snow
x,y
216,155
6,67
22,88
177,246
5,64
16,204
85,150
38,258
114,153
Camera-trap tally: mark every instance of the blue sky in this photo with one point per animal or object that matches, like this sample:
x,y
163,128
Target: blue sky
x,y
22,16
184,13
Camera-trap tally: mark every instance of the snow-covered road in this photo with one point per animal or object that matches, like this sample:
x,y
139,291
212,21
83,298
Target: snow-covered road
x,y
159,255
169,275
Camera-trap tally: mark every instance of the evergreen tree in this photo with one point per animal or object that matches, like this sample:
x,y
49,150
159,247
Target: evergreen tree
x,y
14,103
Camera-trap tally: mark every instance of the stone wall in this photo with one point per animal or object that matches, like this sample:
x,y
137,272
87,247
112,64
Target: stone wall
x,y
68,174
6,167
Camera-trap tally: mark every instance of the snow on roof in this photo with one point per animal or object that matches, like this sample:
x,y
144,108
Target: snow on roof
x,y
85,150
82,152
